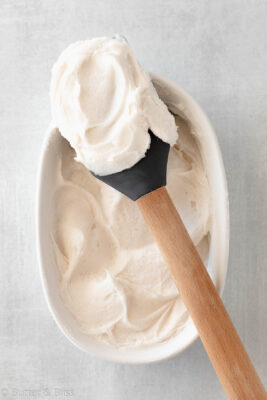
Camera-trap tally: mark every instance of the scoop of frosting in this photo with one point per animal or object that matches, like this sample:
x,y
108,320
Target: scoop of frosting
x,y
103,103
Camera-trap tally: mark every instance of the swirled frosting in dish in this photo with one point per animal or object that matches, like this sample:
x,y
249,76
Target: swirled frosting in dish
x,y
103,103
113,279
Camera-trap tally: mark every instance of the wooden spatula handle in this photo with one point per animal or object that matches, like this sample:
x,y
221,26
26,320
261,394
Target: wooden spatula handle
x,y
216,330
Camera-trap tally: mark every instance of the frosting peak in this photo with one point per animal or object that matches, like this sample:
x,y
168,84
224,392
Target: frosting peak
x,y
103,103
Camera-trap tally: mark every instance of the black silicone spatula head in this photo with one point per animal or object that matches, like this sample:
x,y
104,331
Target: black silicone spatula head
x,y
145,176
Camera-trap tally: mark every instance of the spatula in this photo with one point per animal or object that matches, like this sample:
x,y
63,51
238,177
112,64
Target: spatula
x,y
144,183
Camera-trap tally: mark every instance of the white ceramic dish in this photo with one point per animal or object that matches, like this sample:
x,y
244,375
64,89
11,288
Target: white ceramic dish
x,y
172,95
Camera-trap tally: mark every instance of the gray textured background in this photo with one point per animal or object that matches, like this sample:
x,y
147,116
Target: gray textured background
x,y
217,50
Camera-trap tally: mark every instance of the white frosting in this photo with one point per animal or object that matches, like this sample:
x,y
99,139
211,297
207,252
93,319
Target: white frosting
x,y
103,103
113,279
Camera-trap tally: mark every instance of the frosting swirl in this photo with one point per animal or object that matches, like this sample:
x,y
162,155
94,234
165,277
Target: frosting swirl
x,y
103,103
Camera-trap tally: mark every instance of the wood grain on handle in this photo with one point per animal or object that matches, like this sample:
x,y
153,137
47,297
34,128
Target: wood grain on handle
x,y
223,345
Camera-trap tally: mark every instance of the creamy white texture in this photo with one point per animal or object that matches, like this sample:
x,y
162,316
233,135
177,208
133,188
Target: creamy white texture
x,y
103,103
113,279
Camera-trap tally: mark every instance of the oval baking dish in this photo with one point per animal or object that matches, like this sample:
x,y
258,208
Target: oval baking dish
x,y
180,102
